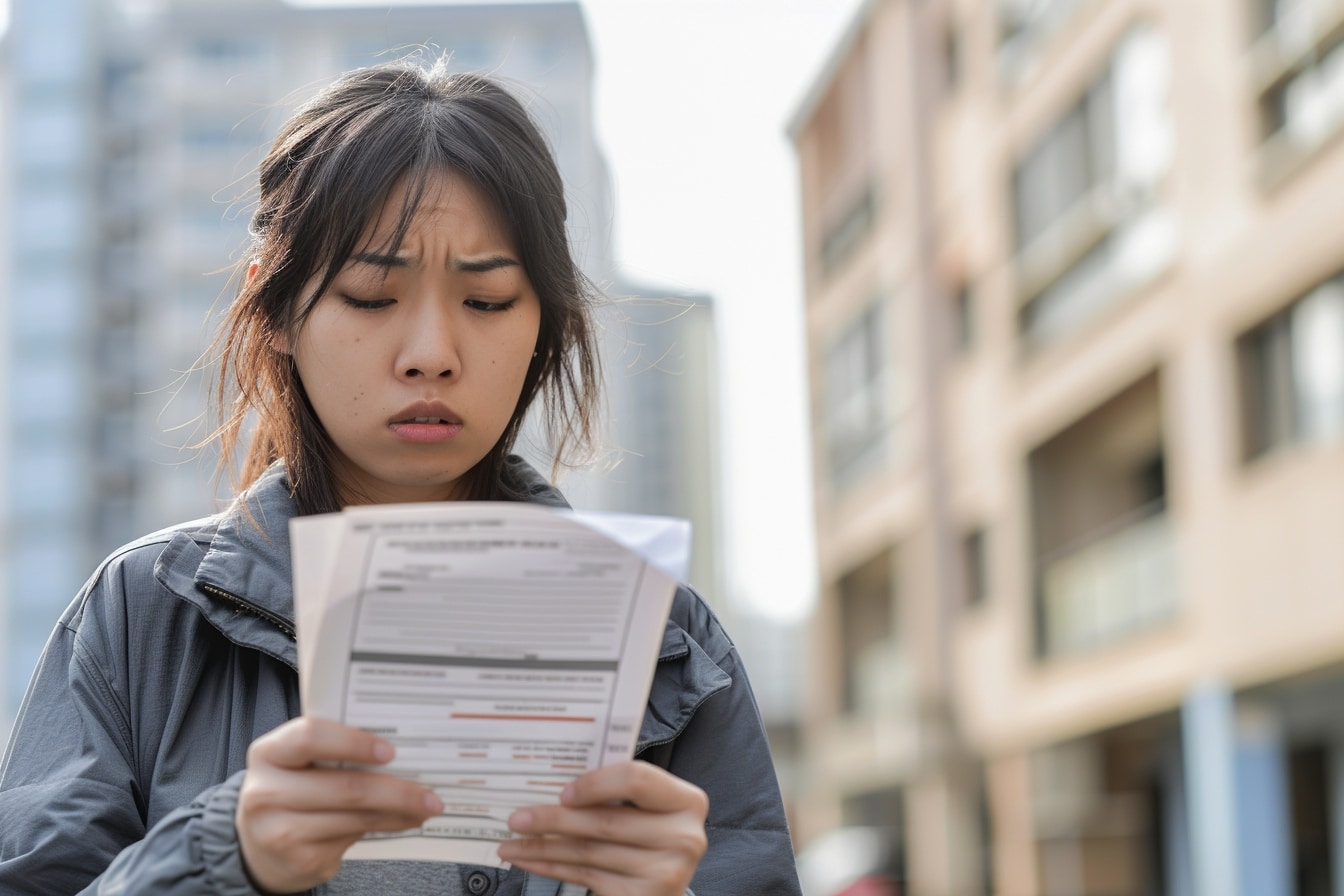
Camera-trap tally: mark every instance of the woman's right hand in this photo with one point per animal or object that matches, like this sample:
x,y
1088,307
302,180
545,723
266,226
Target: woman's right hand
x,y
295,818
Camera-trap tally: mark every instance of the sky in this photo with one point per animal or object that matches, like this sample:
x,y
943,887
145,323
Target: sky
x,y
692,99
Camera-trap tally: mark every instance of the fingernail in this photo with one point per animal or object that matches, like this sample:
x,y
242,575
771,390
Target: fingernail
x,y
433,804
567,794
383,751
521,820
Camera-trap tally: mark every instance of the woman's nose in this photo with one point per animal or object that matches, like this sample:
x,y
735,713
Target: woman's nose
x,y
430,343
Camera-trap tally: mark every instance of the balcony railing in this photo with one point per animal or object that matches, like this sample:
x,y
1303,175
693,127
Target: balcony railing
x,y
1113,585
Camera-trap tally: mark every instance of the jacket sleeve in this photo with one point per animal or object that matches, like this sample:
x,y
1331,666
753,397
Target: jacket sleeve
x,y
723,750
71,807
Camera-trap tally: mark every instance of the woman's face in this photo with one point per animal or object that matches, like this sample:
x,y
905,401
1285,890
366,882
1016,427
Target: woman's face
x,y
414,361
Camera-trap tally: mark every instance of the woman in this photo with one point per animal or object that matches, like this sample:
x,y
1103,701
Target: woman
x,y
411,293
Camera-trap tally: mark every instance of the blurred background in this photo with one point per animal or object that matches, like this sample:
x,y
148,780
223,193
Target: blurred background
x,y
995,349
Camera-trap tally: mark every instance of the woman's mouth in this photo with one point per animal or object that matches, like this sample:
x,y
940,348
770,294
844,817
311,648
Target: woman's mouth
x,y
425,430
426,423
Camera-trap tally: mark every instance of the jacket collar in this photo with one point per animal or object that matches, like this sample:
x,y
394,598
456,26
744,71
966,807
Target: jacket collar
x,y
237,571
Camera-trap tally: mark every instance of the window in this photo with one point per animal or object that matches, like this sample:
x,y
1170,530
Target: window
x,y
963,317
844,165
1024,25
849,231
1105,555
953,56
212,136
1089,226
51,42
874,824
984,830
58,292
1297,65
1293,373
974,567
49,218
866,603
45,386
52,134
1309,785
226,58
858,406
44,480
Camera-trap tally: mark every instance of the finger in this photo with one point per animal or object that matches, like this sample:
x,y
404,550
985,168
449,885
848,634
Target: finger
x,y
611,824
638,783
287,830
614,858
324,789
302,741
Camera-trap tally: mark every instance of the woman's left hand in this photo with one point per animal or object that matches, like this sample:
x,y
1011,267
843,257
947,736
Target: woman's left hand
x,y
630,829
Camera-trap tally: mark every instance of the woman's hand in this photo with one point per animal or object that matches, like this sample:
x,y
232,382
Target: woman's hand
x,y
295,819
630,829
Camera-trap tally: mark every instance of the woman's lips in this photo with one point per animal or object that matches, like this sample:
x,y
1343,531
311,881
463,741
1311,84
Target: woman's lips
x,y
425,431
426,423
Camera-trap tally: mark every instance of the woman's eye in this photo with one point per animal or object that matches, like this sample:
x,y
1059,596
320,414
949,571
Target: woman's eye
x,y
487,305
365,304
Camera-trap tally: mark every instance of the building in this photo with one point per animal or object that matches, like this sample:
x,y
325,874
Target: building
x,y
663,447
52,366
1075,315
133,153
4,337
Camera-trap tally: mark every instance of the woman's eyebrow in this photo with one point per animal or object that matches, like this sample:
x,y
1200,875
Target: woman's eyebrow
x,y
383,261
467,265
484,265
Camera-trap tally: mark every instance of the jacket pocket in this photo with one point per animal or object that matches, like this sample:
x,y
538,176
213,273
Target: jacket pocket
x,y
684,678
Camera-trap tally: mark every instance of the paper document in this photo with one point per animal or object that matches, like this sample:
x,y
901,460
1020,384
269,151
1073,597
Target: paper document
x,y
504,649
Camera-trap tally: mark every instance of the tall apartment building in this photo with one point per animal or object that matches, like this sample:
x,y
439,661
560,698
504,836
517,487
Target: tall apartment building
x,y
4,335
136,129
1075,313
52,374
663,450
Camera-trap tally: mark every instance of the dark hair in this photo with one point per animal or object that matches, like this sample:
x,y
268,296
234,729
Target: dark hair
x,y
327,175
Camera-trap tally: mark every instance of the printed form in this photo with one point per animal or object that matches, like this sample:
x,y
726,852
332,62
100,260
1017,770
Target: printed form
x,y
504,649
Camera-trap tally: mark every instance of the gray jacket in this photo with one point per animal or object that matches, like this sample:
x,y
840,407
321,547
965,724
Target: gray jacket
x,y
122,772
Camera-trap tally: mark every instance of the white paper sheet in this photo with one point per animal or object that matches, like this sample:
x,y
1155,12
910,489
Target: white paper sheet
x,y
504,649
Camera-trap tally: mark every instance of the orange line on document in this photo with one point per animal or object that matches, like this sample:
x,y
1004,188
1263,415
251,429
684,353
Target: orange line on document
x,y
546,783
567,765
521,718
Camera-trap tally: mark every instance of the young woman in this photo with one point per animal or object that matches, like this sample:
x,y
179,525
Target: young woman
x,y
411,293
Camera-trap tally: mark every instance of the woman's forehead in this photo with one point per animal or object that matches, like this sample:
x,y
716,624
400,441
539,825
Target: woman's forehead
x,y
433,199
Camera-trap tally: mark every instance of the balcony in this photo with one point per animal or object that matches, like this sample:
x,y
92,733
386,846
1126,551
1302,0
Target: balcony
x,y
1110,585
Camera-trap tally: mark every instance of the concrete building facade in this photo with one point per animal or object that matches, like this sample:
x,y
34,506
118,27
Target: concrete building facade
x,y
1075,317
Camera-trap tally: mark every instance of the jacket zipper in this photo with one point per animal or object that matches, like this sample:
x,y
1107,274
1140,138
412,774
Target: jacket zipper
x,y
278,621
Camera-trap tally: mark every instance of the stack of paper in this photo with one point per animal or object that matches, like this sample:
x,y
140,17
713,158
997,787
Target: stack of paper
x,y
504,649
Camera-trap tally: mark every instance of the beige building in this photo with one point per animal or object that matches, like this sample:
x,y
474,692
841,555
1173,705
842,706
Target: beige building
x,y
1075,315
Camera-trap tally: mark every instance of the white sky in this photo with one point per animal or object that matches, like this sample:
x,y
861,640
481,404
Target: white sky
x,y
692,101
